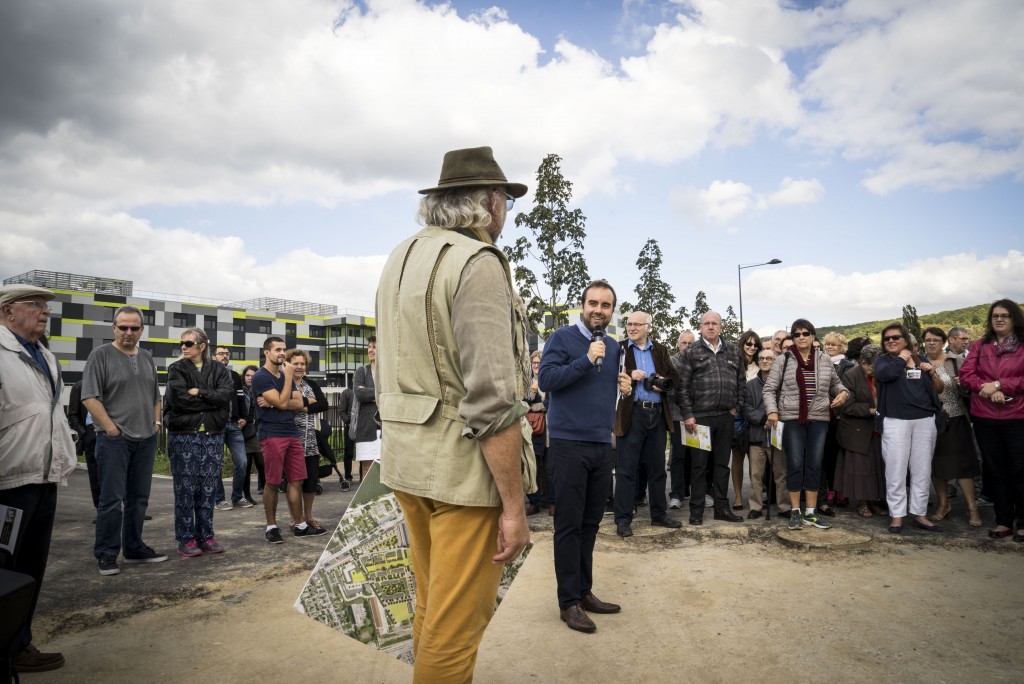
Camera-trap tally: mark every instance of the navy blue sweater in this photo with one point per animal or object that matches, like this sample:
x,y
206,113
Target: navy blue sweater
x,y
582,400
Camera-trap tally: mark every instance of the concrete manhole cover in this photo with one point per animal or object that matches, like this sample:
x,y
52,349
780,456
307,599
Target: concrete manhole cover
x,y
833,539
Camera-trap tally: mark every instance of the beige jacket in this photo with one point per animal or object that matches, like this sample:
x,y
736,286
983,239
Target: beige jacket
x,y
36,445
827,386
452,367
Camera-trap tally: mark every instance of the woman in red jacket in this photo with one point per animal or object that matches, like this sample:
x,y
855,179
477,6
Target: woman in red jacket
x,y
994,373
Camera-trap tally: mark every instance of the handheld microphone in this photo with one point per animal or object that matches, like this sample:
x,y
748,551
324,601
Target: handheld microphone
x,y
596,335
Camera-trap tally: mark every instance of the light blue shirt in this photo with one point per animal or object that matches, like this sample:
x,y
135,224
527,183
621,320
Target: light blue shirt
x,y
645,362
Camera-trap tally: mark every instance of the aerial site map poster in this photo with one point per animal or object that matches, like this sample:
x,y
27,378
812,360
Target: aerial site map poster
x,y
363,585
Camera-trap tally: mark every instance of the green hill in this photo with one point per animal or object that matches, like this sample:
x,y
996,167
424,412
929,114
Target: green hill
x,y
971,317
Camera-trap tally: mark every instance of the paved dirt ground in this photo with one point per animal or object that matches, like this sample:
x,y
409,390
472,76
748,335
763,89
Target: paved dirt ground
x,y
718,603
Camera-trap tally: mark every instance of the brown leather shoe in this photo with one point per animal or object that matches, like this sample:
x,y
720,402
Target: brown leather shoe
x,y
575,618
31,660
532,509
592,604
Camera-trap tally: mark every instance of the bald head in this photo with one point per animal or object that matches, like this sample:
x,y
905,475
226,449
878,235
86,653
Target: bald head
x,y
711,327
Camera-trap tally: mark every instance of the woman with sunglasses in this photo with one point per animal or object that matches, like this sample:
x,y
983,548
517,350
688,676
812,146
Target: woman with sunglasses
x,y
198,394
750,345
908,403
954,457
994,373
801,388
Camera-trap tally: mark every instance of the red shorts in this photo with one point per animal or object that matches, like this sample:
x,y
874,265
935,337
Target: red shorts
x,y
283,455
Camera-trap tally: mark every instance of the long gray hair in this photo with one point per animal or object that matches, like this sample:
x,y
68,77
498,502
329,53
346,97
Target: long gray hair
x,y
201,338
456,208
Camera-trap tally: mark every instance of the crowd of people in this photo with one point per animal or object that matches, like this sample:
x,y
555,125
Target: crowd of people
x,y
888,426
473,434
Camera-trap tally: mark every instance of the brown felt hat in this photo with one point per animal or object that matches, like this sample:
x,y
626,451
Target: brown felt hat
x,y
473,167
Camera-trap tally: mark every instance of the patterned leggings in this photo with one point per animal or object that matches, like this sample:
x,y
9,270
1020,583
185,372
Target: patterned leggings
x,y
196,459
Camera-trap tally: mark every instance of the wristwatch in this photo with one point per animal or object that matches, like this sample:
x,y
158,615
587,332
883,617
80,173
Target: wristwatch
x,y
999,388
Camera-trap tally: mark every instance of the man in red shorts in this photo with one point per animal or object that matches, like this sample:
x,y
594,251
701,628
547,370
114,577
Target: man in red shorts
x,y
276,404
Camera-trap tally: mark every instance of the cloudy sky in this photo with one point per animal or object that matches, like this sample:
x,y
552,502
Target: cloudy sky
x,y
240,149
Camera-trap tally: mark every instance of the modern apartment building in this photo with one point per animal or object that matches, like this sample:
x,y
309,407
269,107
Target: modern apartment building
x,y
85,305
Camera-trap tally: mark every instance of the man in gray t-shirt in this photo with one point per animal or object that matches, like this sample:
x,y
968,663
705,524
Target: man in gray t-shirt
x,y
119,389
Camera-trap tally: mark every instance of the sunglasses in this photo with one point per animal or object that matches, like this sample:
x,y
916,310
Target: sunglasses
x,y
750,343
892,338
805,333
126,328
188,344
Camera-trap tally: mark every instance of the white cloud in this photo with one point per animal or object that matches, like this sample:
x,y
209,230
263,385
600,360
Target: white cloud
x,y
728,200
793,191
827,297
719,203
185,262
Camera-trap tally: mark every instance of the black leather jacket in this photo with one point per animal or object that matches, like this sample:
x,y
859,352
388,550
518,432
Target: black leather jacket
x,y
210,408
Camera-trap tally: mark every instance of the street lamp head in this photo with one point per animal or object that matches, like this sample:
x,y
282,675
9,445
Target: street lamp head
x,y
775,261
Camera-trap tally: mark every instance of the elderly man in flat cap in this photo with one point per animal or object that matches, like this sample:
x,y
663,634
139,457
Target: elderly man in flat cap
x,y
452,367
36,447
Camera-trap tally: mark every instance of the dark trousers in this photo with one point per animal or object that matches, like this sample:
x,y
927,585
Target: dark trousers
x,y
679,462
721,427
828,462
583,473
545,494
89,449
253,458
644,443
126,477
350,454
1002,448
38,503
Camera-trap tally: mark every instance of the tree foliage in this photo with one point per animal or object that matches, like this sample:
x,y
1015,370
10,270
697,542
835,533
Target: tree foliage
x,y
700,307
654,295
911,323
555,243
731,325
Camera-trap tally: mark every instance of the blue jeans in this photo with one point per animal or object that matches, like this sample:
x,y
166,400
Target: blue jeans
x,y
126,476
804,446
236,445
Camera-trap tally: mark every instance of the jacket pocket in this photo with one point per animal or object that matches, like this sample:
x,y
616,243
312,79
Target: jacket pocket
x,y
406,408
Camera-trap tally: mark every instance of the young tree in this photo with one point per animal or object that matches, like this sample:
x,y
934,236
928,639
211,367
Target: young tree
x,y
653,294
911,323
731,325
555,242
700,307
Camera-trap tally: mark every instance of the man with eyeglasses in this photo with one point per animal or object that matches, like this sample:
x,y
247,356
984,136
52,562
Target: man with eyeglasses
x,y
233,440
778,339
452,367
35,455
642,424
959,342
119,389
712,381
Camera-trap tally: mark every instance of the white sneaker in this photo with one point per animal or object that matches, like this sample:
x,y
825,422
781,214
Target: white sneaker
x,y
675,504
708,501
224,506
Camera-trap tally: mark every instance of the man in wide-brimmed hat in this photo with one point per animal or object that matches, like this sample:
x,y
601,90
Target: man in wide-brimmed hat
x,y
37,451
451,368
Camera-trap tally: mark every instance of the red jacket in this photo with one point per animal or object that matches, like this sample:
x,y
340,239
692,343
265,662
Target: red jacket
x,y
982,366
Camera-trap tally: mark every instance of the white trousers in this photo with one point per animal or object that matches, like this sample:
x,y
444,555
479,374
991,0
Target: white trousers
x,y
908,444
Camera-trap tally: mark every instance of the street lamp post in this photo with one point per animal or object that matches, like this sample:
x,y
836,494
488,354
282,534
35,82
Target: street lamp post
x,y
739,279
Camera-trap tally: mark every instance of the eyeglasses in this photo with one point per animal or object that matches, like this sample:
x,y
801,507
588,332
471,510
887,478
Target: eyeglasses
x,y
510,201
188,344
126,328
224,353
805,333
42,306
1001,317
892,338
636,325
766,358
